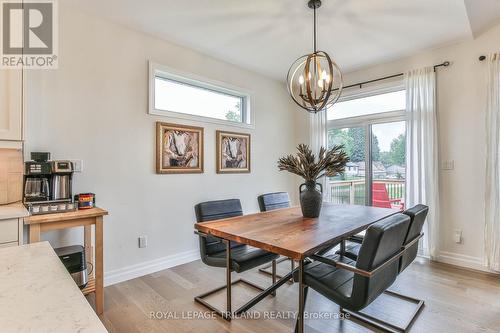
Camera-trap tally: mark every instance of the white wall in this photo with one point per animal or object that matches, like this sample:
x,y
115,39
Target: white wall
x,y
461,109
94,108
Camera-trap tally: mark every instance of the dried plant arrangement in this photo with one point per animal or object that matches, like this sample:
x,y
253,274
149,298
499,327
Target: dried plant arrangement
x,y
330,162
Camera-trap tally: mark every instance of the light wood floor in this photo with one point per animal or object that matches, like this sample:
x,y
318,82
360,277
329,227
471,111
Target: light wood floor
x,y
456,300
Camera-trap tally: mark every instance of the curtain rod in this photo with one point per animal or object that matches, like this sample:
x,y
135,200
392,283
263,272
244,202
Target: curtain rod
x,y
360,84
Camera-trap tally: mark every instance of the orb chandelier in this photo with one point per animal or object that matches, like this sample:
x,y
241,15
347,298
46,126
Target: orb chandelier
x,y
314,80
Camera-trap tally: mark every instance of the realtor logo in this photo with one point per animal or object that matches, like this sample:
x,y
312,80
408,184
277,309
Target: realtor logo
x,y
29,34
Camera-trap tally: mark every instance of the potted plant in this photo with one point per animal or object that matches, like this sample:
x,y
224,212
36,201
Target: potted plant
x,y
330,163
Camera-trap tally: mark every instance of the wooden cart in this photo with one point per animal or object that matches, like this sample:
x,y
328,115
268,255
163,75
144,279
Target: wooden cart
x,y
80,218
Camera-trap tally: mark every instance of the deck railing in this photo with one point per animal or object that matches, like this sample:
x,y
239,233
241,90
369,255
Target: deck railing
x,y
353,191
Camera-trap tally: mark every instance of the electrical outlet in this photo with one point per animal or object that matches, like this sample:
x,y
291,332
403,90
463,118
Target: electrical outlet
x,y
458,236
143,241
77,165
448,165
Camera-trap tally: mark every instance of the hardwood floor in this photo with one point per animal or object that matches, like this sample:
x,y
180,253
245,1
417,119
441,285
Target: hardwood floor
x,y
456,300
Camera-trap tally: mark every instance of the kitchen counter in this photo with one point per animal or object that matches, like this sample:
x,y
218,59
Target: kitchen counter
x,y
13,211
37,294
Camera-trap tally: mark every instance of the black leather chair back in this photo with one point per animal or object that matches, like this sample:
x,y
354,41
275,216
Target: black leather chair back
x,y
417,216
382,241
216,210
271,201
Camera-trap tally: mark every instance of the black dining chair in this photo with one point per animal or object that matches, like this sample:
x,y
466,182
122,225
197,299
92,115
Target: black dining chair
x,y
268,202
272,201
353,285
417,216
214,251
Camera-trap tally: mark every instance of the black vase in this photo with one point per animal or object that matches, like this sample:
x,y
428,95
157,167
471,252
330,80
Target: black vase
x,y
311,199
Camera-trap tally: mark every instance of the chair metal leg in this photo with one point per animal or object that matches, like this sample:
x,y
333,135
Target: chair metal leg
x,y
228,313
200,298
384,325
265,293
264,269
420,304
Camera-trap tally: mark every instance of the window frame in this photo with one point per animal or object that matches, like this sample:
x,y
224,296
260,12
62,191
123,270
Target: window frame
x,y
397,115
192,80
366,122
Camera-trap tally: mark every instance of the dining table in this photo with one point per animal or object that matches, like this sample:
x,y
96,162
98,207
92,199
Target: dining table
x,y
288,233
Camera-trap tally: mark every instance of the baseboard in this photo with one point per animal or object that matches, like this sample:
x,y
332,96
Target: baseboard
x,y
462,260
148,267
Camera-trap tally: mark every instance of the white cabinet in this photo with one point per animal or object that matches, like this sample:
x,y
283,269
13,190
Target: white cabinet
x,y
11,224
11,105
9,231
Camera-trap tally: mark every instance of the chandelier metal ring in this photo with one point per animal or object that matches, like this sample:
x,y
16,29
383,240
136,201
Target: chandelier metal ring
x,y
314,81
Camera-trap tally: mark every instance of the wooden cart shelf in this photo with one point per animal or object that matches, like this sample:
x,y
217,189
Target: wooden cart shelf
x,y
80,218
90,287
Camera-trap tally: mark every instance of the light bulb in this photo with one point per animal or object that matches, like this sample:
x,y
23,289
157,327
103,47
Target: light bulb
x,y
320,83
301,80
324,75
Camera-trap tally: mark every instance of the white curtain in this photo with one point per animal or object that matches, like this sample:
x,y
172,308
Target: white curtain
x,y
318,139
492,207
422,181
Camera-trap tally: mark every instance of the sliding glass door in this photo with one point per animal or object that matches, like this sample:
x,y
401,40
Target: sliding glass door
x,y
388,157
349,188
372,130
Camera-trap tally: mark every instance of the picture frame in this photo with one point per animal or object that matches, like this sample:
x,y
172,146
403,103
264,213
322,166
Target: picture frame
x,y
233,152
179,149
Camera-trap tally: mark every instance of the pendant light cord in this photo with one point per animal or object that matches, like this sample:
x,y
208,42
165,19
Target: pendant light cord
x,y
314,29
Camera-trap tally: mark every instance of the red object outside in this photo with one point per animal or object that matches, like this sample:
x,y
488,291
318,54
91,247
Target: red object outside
x,y
380,198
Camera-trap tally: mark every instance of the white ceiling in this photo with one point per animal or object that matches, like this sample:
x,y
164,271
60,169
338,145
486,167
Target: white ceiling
x,y
267,35
482,14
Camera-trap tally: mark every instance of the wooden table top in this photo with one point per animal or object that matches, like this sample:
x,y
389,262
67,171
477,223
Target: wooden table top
x,y
287,232
66,216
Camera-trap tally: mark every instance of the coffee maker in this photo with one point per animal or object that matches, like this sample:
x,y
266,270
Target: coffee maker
x,y
47,184
60,184
37,176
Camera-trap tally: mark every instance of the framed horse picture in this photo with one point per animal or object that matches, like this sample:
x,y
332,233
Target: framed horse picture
x,y
179,148
233,152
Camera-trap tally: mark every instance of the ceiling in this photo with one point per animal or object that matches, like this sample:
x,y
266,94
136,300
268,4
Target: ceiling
x,y
266,36
482,14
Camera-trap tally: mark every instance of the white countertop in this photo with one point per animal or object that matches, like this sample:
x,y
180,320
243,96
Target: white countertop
x,y
37,294
13,211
